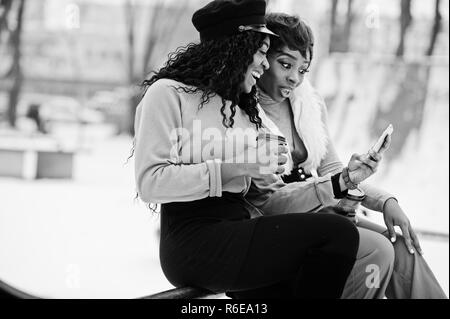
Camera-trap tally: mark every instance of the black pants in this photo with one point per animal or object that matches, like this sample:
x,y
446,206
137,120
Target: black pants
x,y
213,244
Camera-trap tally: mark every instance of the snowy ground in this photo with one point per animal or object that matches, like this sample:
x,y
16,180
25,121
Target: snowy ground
x,y
88,238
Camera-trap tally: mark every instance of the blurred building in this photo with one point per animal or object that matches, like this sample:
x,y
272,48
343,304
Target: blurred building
x,y
79,47
375,26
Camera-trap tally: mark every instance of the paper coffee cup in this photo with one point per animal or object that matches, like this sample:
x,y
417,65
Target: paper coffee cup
x,y
271,137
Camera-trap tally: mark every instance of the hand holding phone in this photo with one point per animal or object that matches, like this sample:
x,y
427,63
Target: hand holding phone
x,y
382,139
363,166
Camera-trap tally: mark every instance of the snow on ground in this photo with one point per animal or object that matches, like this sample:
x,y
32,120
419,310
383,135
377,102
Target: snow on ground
x,y
89,238
85,237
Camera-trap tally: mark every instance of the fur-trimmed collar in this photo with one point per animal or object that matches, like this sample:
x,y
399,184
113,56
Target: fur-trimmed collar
x,y
307,108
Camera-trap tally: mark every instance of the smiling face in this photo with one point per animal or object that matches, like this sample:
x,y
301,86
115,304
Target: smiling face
x,y
287,71
257,67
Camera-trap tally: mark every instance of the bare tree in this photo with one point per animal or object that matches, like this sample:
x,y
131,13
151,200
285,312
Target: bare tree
x,y
437,27
5,8
333,17
12,26
129,20
348,26
163,21
340,34
405,23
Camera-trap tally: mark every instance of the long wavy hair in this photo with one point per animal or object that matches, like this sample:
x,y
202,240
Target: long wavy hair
x,y
216,67
210,68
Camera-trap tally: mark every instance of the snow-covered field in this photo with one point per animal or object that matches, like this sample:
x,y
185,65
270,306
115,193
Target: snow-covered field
x,y
89,238
85,237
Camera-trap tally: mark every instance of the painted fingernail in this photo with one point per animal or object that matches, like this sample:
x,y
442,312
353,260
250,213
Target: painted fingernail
x,y
393,239
411,251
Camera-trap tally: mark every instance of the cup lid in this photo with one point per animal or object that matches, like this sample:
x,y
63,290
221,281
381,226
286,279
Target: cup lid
x,y
356,194
270,136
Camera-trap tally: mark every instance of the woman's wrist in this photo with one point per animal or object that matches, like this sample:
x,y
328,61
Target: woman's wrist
x,y
347,180
231,170
389,203
342,183
339,189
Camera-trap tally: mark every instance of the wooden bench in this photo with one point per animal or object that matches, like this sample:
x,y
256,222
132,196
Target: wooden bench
x,y
10,292
35,158
186,293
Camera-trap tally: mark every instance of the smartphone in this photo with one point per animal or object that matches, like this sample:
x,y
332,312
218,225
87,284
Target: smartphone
x,y
381,140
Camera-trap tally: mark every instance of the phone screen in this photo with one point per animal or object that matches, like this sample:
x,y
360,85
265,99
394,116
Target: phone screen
x,y
382,139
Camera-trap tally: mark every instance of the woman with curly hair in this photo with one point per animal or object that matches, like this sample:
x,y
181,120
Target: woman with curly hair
x,y
292,108
195,142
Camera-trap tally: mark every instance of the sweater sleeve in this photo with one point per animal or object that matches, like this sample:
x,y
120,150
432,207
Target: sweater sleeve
x,y
160,175
299,197
375,197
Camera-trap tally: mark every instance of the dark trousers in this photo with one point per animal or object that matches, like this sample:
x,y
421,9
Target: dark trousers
x,y
213,244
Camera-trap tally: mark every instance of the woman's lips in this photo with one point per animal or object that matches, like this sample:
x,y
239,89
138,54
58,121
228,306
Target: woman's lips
x,y
285,92
256,74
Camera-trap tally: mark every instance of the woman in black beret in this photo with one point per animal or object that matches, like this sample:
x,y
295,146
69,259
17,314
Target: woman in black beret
x,y
195,154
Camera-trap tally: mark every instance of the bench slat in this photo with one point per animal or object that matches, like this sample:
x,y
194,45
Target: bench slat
x,y
185,293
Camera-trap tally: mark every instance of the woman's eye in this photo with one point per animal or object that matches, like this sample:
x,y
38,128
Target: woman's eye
x,y
303,71
285,65
263,53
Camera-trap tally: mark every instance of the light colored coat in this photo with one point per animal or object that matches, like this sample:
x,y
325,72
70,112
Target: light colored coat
x,y
271,195
174,161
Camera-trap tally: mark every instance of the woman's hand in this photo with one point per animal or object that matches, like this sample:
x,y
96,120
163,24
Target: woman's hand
x,y
363,166
360,167
394,216
270,159
254,164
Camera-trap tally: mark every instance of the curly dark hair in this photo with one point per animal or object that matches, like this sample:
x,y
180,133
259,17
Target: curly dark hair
x,y
216,67
292,31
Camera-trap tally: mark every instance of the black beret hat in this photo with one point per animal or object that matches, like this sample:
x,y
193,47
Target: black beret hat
x,y
221,18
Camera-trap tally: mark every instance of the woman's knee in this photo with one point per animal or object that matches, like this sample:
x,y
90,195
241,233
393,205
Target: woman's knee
x,y
343,234
401,253
404,260
384,253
